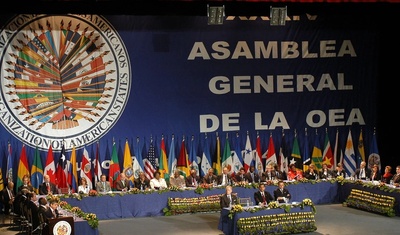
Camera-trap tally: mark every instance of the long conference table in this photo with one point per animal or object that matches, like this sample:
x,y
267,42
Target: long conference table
x,y
121,205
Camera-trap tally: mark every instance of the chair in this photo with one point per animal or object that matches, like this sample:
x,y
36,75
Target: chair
x,y
42,224
26,219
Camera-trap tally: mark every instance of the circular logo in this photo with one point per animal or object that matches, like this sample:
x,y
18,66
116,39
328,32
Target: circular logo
x,y
65,79
62,228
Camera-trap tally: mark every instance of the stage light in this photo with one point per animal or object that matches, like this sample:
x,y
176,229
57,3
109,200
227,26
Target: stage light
x,y
215,14
277,15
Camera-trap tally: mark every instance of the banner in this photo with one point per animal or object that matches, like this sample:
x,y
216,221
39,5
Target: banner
x,y
74,80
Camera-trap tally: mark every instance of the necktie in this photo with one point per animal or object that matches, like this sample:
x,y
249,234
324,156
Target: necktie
x,y
48,188
263,196
362,173
230,199
123,183
104,186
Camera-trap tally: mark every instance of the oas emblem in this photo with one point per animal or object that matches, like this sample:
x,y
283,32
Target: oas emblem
x,y
65,79
62,228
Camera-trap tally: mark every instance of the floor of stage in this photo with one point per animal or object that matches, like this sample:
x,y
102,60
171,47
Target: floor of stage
x,y
331,219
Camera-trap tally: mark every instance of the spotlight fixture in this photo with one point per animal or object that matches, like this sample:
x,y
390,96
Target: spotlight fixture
x,y
215,14
278,15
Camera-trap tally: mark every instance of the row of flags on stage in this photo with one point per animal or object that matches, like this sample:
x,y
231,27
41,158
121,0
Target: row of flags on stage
x,y
145,159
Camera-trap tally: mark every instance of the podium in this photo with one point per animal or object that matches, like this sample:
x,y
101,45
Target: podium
x,y
60,226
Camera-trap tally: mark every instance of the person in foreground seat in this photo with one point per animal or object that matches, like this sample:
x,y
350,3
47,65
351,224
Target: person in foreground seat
x,y
262,197
228,198
281,193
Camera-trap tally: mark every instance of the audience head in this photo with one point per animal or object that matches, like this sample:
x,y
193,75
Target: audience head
x,y
281,184
261,187
43,201
177,173
103,177
388,169
10,185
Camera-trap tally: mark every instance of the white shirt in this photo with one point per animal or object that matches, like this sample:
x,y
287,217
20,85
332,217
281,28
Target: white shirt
x,y
84,189
158,183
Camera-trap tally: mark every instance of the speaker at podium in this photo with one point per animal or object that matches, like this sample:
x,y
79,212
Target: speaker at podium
x,y
60,226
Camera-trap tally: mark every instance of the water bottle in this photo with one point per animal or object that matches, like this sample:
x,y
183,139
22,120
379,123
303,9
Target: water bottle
x,y
248,203
391,182
141,187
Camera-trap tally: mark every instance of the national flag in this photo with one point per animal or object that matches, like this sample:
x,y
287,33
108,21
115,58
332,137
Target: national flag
x,y
349,156
306,152
206,158
337,152
86,167
248,154
138,160
9,172
317,154
374,157
283,155
361,152
295,157
172,161
182,164
327,154
217,163
61,176
97,167
150,162
73,172
163,168
271,154
1,179
50,168
114,167
258,156
128,163
193,156
36,171
23,167
237,156
227,156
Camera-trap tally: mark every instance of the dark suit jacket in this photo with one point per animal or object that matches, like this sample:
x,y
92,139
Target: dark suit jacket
x,y
311,176
5,200
142,185
328,173
119,186
280,175
378,176
278,193
259,199
207,179
250,179
367,173
46,213
189,180
225,202
43,189
220,178
240,177
34,212
265,176
336,174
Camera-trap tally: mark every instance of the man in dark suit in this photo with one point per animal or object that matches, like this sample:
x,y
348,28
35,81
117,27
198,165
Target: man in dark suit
x,y
228,198
325,173
123,184
281,192
31,199
363,172
47,187
193,180
252,176
210,178
262,197
7,197
339,171
225,178
44,210
26,183
311,173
